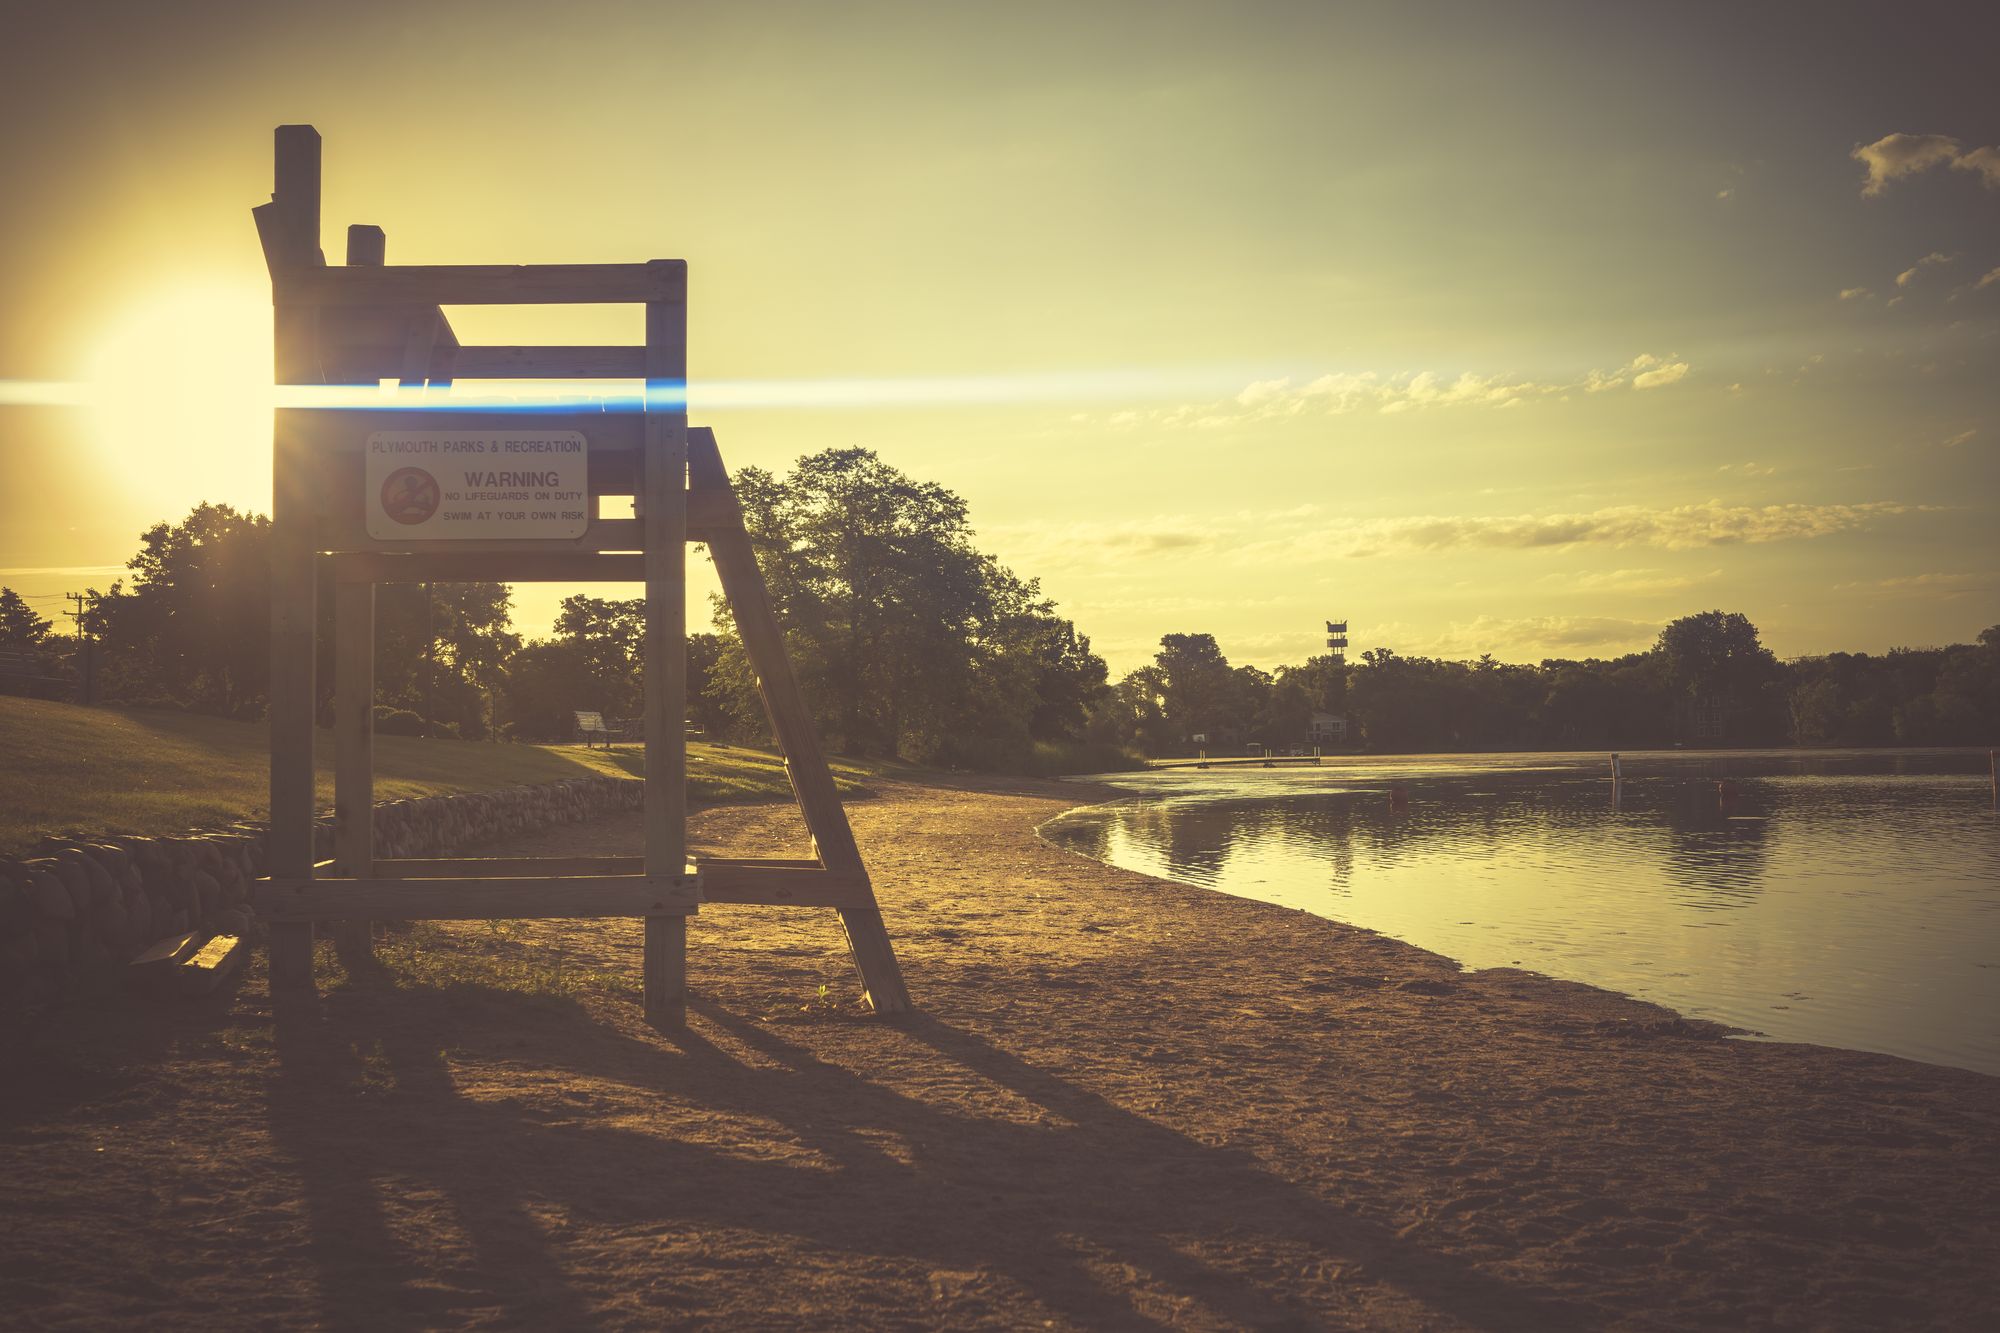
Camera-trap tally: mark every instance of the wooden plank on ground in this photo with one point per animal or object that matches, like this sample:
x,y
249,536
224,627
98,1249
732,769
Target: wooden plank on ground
x,y
216,959
168,951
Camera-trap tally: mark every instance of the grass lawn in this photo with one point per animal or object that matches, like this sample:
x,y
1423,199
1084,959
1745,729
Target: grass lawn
x,y
112,770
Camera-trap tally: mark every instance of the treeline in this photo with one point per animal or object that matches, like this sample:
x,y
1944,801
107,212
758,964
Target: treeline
x,y
1708,680
908,640
190,629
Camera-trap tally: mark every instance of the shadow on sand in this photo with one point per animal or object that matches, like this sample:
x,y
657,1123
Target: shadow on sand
x,y
1065,1196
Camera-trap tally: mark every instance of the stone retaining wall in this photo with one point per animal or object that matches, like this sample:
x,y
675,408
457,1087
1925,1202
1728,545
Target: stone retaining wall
x,y
77,908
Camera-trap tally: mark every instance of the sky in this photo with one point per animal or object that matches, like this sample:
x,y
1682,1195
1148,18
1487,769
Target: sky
x,y
1510,332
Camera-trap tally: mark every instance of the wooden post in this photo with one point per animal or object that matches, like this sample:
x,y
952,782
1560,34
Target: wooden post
x,y
663,509
354,752
294,237
367,245
664,981
354,701
805,764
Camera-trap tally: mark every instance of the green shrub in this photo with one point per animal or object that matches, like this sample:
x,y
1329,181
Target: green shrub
x,y
1057,758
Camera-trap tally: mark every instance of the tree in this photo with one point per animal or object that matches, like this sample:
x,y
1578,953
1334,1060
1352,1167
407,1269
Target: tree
x,y
906,638
546,682
20,627
194,625
1195,684
192,629
704,710
1715,658
1713,652
1324,680
441,651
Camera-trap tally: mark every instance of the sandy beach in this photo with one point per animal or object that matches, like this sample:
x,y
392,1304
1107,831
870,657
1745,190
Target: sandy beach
x,y
1125,1104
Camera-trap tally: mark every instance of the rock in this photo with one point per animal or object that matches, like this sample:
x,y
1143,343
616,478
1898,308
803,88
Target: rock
x,y
53,901
74,879
208,893
112,924
52,941
17,905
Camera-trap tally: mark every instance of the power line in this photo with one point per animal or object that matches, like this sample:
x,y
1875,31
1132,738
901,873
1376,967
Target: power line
x,y
83,616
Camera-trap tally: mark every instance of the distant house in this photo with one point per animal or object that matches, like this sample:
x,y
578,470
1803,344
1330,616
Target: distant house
x,y
1326,729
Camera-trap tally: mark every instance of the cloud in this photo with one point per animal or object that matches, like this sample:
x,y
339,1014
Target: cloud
x,y
1987,281
1938,587
1388,394
1661,376
1963,437
1629,581
1039,546
1855,293
1935,259
1511,639
1680,528
1895,156
1985,162
1308,535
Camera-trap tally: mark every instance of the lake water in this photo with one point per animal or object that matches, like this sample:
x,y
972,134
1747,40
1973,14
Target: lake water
x,y
1850,898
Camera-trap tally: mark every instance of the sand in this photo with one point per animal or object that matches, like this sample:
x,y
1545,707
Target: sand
x,y
1125,1104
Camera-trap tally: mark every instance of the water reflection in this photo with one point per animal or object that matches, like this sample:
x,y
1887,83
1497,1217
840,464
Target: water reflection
x,y
1845,898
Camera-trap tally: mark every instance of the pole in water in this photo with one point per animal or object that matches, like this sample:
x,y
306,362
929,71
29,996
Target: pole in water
x,y
1617,774
1993,771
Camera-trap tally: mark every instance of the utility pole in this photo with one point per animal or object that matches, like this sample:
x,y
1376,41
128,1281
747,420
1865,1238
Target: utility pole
x,y
430,664
85,645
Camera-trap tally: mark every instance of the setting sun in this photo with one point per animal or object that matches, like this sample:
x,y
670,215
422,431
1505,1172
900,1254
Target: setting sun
x,y
180,391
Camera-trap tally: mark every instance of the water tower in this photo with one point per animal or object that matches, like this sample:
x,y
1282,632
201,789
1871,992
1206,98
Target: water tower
x,y
1336,639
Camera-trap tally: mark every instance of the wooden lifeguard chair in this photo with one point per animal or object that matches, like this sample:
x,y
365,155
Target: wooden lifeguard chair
x,y
365,495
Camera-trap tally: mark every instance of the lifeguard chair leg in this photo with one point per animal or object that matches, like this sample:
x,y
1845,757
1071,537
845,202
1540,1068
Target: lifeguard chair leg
x,y
663,509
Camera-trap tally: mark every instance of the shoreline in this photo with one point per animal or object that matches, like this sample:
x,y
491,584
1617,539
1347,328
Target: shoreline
x,y
1124,1101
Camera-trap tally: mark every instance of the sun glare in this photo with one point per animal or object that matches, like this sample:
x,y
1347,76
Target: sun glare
x,y
180,388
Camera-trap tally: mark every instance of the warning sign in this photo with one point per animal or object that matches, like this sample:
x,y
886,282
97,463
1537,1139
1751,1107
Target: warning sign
x,y
477,485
